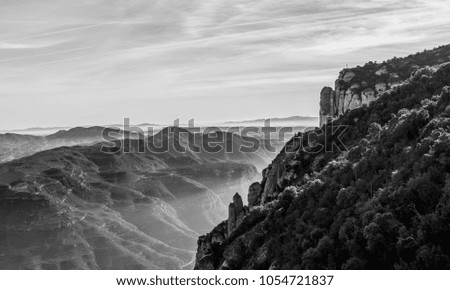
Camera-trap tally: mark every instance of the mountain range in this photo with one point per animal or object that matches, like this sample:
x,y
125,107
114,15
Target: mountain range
x,y
123,207
14,146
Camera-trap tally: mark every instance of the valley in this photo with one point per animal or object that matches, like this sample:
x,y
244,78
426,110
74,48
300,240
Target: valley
x,y
76,207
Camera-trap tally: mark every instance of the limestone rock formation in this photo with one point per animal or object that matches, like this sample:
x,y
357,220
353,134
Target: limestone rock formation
x,y
367,96
254,195
327,104
209,247
360,86
236,212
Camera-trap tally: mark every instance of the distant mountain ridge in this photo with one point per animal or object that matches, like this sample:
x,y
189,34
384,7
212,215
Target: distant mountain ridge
x,y
286,119
13,146
53,130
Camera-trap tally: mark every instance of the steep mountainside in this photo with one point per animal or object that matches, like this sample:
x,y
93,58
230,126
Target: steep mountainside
x,y
360,86
382,204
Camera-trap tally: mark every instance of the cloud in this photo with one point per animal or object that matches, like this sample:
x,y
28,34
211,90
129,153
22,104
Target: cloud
x,y
29,45
177,58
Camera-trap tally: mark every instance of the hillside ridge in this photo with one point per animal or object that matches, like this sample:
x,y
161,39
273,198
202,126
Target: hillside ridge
x,y
361,85
382,204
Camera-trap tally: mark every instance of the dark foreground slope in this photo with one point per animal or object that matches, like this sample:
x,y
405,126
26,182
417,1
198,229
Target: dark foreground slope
x,y
382,204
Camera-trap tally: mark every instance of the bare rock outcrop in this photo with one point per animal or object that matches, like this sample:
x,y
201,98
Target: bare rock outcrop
x,y
254,195
327,104
359,86
351,91
236,212
210,246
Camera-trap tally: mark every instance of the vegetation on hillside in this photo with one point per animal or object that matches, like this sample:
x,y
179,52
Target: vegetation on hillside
x,y
386,202
383,204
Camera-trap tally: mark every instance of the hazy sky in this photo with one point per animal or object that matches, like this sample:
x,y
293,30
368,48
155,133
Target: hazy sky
x,y
67,62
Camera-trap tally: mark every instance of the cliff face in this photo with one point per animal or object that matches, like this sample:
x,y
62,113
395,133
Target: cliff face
x,y
327,104
359,86
380,205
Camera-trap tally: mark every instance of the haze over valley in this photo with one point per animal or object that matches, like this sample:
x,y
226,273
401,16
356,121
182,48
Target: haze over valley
x,y
65,204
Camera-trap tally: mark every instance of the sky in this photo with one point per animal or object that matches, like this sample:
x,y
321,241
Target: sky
x,y
94,62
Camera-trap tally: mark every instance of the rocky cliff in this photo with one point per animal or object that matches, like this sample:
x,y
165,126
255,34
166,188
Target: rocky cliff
x,y
359,86
384,203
